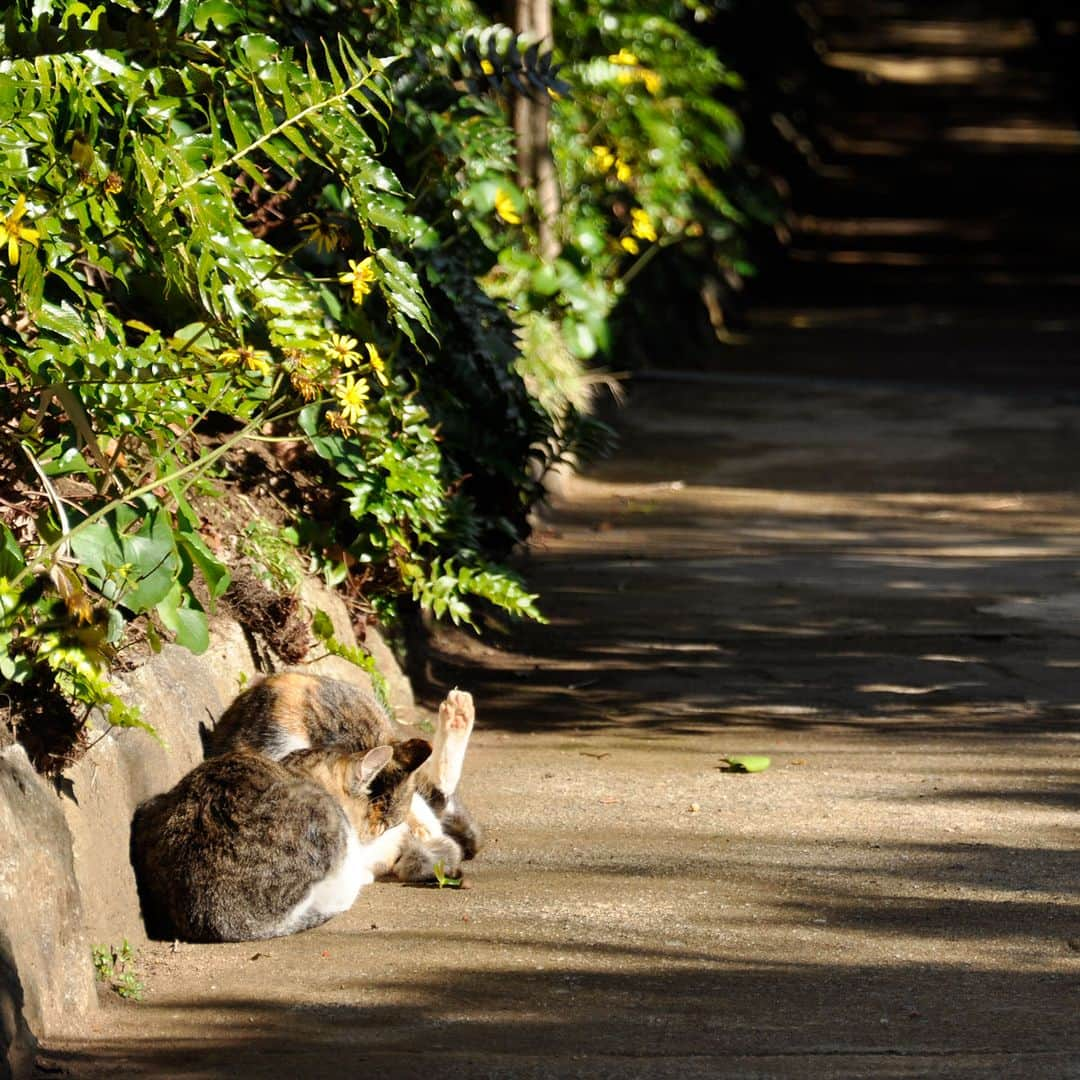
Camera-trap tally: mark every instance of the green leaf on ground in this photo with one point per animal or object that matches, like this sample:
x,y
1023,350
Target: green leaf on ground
x,y
746,763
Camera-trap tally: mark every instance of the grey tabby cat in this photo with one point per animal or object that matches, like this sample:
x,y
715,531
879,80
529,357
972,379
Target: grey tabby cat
x,y
245,847
294,711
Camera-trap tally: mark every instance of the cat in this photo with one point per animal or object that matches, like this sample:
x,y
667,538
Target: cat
x,y
245,847
293,711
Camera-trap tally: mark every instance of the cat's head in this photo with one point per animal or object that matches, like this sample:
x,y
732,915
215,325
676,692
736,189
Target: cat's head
x,y
384,779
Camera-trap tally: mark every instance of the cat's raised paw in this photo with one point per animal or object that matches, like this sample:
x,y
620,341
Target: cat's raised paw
x,y
457,713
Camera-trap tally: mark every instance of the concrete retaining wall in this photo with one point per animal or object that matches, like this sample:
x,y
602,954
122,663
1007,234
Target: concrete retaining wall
x,y
66,881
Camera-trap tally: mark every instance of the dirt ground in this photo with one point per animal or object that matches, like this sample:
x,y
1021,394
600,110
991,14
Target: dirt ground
x,y
875,585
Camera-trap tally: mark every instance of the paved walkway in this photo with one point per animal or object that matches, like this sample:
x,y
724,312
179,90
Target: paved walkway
x,y
875,587
875,584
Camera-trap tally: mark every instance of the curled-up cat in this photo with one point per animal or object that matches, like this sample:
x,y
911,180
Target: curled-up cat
x,y
293,710
245,847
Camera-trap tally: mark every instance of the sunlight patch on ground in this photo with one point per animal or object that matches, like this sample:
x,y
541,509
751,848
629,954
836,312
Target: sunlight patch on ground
x,y
938,70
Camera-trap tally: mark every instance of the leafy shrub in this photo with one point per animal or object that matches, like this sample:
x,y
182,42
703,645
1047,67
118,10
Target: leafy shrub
x,y
202,227
226,226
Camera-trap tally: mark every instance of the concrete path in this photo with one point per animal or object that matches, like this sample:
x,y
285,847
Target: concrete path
x,y
877,587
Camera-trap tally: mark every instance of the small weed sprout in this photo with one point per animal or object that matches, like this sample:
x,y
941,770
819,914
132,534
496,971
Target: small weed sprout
x,y
445,882
116,966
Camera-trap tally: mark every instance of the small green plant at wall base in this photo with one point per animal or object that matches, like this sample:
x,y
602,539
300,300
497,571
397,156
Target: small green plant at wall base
x,y
116,966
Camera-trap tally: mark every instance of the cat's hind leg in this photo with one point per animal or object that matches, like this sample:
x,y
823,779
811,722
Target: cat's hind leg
x,y
457,715
436,810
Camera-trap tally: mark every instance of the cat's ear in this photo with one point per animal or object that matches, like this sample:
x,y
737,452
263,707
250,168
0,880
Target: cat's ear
x,y
373,762
412,753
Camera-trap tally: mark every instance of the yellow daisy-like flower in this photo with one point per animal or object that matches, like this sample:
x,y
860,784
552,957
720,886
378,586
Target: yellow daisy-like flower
x,y
304,385
377,364
338,422
352,396
325,235
603,158
641,225
342,349
623,172
79,607
256,360
629,244
625,58
361,275
12,230
505,208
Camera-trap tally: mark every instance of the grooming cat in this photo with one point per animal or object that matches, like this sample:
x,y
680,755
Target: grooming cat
x,y
245,847
292,711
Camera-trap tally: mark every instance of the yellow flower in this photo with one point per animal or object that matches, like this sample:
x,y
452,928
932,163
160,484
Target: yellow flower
x,y
653,82
603,158
338,422
361,275
630,244
487,67
623,172
304,385
352,395
378,364
12,230
79,607
325,235
253,359
113,184
505,208
641,225
342,349
624,58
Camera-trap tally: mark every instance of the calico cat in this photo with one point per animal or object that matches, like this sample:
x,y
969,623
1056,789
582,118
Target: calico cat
x,y
292,711
245,847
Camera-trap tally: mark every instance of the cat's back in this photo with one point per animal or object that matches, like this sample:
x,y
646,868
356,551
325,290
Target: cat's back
x,y
294,710
237,841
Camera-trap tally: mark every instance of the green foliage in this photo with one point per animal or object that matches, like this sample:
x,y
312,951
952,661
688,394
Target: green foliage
x,y
323,628
203,218
495,58
225,223
116,967
272,551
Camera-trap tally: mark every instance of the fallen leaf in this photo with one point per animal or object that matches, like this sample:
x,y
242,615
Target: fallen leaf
x,y
746,763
